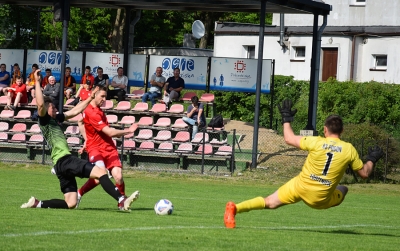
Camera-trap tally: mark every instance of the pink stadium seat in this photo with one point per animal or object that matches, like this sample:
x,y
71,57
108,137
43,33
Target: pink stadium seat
x,y
18,127
165,147
136,94
123,106
33,102
76,118
4,126
115,142
176,108
3,100
217,142
208,149
145,134
182,136
107,105
18,138
147,146
23,114
112,118
68,103
72,141
158,108
163,122
3,136
128,136
215,128
145,121
163,135
224,151
179,123
141,107
198,138
207,97
34,129
72,130
184,148
36,138
188,96
6,114
127,120
129,144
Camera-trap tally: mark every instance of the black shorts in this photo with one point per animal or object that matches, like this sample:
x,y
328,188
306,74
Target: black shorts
x,y
69,167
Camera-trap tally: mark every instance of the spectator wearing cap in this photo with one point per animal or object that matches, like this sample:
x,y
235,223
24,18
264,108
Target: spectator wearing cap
x,y
4,77
52,90
16,94
88,78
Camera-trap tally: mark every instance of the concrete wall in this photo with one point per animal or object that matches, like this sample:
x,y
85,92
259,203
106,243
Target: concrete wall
x,y
346,13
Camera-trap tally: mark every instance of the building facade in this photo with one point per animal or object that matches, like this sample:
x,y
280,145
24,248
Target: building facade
x,y
361,42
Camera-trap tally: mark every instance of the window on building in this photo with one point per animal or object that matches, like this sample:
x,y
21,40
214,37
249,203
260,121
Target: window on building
x,y
380,61
251,51
300,52
358,2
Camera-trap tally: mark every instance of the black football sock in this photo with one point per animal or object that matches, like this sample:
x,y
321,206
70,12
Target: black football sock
x,y
109,187
54,203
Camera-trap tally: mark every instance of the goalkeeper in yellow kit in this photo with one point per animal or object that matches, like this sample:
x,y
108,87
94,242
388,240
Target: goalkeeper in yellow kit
x,y
317,185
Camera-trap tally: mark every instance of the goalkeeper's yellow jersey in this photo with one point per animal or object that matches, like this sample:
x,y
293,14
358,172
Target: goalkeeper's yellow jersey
x,y
325,165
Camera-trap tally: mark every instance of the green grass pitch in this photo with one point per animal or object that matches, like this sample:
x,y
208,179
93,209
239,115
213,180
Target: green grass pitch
x,y
369,218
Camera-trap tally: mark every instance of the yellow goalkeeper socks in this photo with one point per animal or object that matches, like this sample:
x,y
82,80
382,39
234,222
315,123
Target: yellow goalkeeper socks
x,y
248,205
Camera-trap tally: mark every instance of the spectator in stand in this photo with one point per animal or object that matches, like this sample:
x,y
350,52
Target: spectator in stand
x,y
4,77
173,87
52,90
69,83
16,94
45,80
16,73
101,79
88,78
119,84
195,116
30,82
157,82
83,93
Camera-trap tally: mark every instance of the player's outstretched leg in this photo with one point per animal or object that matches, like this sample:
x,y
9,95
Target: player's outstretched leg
x,y
32,203
125,204
53,203
229,216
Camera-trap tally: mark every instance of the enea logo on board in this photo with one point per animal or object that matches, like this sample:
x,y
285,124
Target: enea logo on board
x,y
181,63
115,60
240,66
52,58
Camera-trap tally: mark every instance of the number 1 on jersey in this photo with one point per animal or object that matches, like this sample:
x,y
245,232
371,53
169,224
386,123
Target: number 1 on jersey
x,y
327,163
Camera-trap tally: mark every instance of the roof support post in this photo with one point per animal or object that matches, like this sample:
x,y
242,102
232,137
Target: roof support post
x,y
126,40
258,83
65,8
314,77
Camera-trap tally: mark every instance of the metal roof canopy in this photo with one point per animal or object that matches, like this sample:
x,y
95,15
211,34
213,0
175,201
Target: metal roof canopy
x,y
314,7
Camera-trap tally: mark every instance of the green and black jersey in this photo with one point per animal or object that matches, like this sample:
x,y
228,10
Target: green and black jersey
x,y
54,135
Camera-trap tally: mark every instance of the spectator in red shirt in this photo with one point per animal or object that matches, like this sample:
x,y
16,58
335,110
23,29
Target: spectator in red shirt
x,y
88,77
16,94
99,144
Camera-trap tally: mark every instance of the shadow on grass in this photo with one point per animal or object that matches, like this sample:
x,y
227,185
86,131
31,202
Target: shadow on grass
x,y
350,232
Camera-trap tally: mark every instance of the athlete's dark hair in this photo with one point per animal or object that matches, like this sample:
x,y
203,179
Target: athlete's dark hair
x,y
334,123
47,100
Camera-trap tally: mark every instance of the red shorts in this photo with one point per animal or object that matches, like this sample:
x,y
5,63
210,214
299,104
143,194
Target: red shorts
x,y
110,159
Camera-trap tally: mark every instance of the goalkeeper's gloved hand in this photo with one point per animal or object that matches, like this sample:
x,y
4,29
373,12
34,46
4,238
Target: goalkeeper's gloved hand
x,y
286,111
374,154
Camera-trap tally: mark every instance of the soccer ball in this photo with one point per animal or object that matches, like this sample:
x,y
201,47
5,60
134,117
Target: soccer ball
x,y
163,207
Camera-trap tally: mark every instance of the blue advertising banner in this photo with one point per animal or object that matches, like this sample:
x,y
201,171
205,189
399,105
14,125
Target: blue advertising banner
x,y
9,57
52,60
193,69
137,70
239,74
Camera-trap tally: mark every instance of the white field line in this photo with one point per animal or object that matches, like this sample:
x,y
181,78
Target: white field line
x,y
91,231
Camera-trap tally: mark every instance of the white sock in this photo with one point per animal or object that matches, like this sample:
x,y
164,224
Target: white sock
x,y
39,205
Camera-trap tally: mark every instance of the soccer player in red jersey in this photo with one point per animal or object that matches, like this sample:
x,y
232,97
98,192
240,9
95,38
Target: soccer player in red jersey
x,y
99,144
